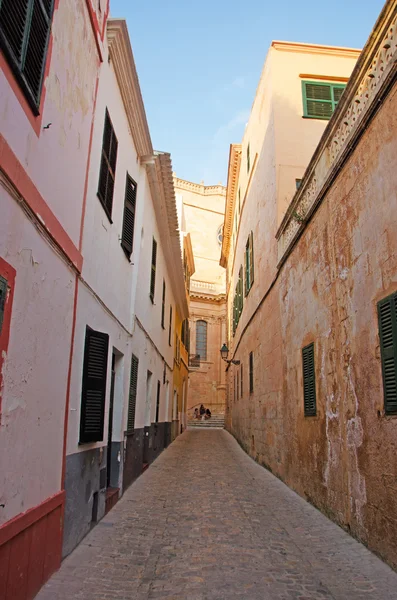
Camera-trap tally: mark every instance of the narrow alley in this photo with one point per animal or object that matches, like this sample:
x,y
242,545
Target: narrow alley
x,y
206,522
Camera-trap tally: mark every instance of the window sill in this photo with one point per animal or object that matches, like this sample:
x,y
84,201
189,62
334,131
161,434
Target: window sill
x,y
316,118
109,216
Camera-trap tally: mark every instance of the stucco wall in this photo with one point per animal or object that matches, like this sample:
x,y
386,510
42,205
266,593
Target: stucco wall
x,y
342,460
36,365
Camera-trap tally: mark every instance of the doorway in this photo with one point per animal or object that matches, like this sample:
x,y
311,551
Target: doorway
x,y
110,426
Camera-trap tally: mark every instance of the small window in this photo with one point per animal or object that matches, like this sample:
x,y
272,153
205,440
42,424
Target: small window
x,y
309,381
170,328
248,159
249,263
320,99
24,36
132,394
298,183
163,307
219,235
153,270
251,369
127,235
158,401
107,172
387,316
201,339
93,392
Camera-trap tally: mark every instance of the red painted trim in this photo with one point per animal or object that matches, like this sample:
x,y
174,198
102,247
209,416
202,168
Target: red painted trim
x,y
9,273
34,120
66,418
88,168
95,28
24,520
26,188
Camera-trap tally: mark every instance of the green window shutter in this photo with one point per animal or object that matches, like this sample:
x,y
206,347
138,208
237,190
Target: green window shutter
x,y
127,235
163,307
93,393
132,393
201,339
309,381
247,269
320,99
107,171
24,36
387,315
251,371
153,270
251,258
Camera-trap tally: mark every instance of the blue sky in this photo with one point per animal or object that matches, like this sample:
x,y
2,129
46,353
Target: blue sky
x,y
199,65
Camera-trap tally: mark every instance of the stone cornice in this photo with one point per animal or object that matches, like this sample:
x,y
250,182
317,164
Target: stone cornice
x,y
231,190
369,84
315,49
159,170
199,188
124,66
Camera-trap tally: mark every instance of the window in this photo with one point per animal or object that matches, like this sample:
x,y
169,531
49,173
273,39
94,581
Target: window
x,y
127,235
249,263
24,35
298,183
238,301
132,393
153,270
387,315
178,350
93,392
3,297
201,339
320,99
251,367
158,402
309,381
170,327
248,159
241,380
108,167
186,334
219,235
163,307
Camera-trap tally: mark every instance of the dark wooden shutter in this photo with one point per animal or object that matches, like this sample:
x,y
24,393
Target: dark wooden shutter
x,y
158,402
387,314
127,236
309,381
132,393
153,270
251,371
3,297
163,307
24,34
107,172
170,328
94,386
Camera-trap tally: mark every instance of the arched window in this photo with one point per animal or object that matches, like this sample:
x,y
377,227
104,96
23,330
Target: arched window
x,y
201,339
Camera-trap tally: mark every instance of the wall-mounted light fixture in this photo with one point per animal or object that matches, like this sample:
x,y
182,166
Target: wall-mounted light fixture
x,y
225,354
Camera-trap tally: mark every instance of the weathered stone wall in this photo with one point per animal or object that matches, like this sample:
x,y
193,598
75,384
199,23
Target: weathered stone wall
x,y
344,459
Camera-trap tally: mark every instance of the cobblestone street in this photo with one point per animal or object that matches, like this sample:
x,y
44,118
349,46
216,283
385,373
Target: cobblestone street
x,y
205,522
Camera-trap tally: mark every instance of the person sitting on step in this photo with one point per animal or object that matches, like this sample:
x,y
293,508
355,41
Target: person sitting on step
x,y
207,413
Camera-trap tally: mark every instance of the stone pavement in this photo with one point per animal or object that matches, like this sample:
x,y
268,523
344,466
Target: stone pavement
x,y
205,522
